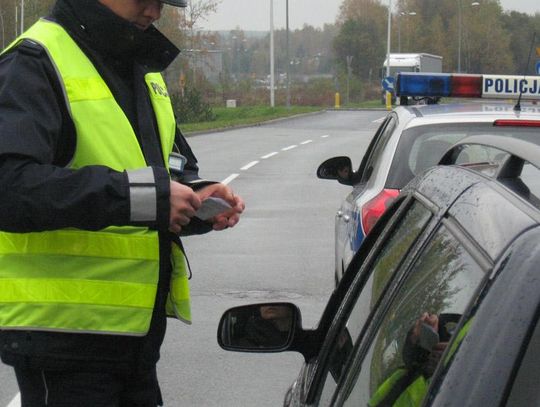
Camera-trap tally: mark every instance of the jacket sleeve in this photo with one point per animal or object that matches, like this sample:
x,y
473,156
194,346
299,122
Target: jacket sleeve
x,y
37,139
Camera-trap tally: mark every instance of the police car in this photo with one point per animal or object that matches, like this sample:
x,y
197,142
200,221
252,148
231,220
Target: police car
x,y
416,134
439,306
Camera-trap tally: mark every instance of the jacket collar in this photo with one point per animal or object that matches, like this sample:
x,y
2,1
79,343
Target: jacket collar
x,y
103,31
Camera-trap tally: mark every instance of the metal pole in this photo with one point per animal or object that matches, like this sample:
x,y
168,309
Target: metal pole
x,y
16,20
388,38
399,31
22,16
3,31
459,37
272,80
288,57
387,95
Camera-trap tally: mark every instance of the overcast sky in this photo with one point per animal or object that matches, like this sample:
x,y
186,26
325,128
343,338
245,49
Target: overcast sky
x,y
255,14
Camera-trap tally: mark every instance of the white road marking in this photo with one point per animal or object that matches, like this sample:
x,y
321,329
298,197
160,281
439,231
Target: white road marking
x,y
379,120
289,148
264,157
248,166
16,402
306,142
325,136
229,178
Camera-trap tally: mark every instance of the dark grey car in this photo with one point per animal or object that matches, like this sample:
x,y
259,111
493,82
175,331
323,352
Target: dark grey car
x,y
440,305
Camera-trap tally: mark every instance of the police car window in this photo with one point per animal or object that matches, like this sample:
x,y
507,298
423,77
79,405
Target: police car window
x,y
488,161
378,148
417,326
421,147
386,262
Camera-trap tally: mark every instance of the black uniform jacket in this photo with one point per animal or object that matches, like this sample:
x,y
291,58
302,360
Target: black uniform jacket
x,y
38,192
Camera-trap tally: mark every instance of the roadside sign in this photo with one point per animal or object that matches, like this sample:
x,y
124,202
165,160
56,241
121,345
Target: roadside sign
x,y
388,84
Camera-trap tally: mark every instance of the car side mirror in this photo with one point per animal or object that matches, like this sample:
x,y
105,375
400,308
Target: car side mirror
x,y
338,168
267,327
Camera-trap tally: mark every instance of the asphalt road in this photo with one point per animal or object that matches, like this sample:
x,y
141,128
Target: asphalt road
x,y
282,250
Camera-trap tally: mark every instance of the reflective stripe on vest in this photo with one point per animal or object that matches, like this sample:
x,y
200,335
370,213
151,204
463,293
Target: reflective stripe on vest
x,y
80,281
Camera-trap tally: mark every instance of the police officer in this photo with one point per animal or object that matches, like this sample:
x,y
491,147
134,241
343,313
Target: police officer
x,y
90,259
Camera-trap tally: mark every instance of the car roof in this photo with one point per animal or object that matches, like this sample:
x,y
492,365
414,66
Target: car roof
x,y
466,112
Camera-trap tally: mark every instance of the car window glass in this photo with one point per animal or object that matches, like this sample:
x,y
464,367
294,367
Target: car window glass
x,y
531,177
412,156
401,239
398,366
378,149
525,390
427,150
488,161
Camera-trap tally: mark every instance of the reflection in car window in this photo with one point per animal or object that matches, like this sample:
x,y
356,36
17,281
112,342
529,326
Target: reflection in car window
x,y
398,365
402,237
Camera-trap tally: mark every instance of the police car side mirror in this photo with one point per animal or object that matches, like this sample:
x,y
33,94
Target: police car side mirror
x,y
338,168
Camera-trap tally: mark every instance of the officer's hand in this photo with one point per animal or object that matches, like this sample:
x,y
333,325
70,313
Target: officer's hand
x,y
229,218
184,203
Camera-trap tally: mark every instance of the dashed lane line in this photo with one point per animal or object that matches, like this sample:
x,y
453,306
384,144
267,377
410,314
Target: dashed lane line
x,y
248,166
306,142
229,178
264,157
289,147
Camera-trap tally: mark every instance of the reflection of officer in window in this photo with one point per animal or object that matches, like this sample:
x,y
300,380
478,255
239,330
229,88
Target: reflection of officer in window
x,y
423,348
269,327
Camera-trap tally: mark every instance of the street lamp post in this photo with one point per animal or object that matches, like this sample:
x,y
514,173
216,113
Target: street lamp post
x,y
3,30
288,56
272,96
388,38
459,37
22,16
402,14
460,28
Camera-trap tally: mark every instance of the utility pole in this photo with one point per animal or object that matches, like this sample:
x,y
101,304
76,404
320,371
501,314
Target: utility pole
x,y
388,96
288,57
459,37
3,30
272,81
388,37
22,16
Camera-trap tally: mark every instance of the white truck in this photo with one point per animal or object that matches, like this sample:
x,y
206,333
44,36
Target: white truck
x,y
418,62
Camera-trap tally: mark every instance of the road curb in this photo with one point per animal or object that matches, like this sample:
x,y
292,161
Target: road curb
x,y
280,119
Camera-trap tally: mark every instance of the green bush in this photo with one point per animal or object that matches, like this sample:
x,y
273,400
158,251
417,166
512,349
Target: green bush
x,y
191,108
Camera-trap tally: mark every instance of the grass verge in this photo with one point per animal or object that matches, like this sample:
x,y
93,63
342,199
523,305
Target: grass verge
x,y
229,117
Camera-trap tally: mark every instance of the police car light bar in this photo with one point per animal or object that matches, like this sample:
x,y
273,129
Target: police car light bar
x,y
467,86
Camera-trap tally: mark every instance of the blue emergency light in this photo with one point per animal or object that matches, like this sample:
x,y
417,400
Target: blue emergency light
x,y
467,86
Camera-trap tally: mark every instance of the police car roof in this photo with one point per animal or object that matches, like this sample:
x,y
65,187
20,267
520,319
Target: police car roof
x,y
467,112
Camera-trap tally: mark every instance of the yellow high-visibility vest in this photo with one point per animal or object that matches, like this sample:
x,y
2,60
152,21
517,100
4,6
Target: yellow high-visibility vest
x,y
73,280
